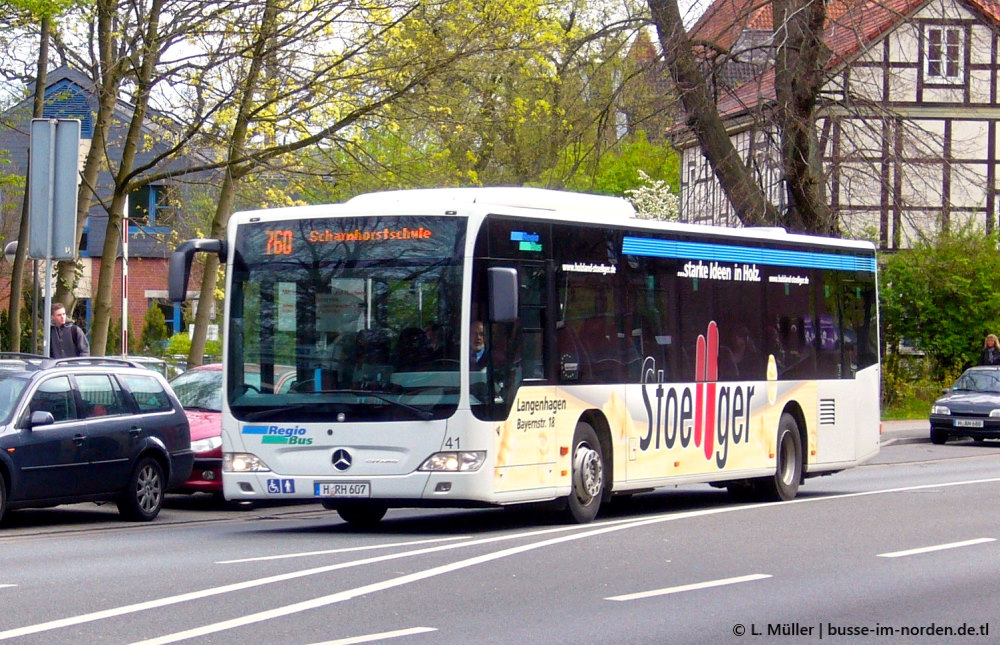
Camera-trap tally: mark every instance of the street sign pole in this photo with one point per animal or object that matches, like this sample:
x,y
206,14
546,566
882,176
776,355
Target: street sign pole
x,y
53,169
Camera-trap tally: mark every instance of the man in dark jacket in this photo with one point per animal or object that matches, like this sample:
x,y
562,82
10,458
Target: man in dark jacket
x,y
66,339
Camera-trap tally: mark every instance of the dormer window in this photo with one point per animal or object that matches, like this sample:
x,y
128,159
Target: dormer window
x,y
944,54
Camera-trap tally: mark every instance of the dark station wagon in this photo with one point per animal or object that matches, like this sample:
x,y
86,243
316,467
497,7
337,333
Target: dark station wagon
x,y
89,430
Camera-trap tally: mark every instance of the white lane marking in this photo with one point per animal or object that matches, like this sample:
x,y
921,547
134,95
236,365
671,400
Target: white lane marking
x,y
248,584
939,547
323,601
691,587
6,585
213,591
348,550
377,637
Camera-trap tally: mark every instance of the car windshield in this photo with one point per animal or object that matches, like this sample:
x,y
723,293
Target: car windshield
x,y
11,386
199,389
979,381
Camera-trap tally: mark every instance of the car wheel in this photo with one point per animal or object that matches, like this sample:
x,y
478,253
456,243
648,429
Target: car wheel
x,y
788,469
363,515
587,476
3,498
938,436
143,498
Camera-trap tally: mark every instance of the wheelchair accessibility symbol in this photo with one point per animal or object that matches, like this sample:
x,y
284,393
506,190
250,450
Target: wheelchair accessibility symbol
x,y
280,486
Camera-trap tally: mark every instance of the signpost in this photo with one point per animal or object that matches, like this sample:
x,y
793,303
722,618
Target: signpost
x,y
54,154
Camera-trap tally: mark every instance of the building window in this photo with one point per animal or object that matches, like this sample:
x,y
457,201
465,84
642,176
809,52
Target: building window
x,y
944,53
150,207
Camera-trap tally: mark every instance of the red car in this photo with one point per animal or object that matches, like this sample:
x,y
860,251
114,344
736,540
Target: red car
x,y
199,390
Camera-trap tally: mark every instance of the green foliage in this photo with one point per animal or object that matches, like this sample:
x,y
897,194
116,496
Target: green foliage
x,y
908,389
113,346
618,170
940,296
180,345
25,331
154,329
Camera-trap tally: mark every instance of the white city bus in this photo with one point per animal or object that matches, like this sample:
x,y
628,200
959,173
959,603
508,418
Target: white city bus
x,y
621,354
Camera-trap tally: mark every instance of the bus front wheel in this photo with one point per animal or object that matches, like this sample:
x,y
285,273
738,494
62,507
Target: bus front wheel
x,y
587,475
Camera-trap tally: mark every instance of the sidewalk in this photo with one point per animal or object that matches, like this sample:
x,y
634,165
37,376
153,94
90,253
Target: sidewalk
x,y
909,431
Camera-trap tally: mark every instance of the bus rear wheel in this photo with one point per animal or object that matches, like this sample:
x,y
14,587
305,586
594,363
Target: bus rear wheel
x,y
587,475
361,514
784,485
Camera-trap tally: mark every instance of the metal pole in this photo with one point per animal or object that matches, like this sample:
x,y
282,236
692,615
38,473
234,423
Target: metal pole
x,y
34,307
48,235
125,282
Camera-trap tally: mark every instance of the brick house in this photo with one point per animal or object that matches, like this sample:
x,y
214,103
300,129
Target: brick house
x,y
152,213
907,123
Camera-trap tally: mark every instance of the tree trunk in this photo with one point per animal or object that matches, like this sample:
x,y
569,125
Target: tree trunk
x,y
133,139
799,62
110,82
21,256
227,193
737,182
799,66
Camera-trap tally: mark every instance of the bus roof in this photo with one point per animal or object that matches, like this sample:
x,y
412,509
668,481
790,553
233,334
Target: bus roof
x,y
510,196
544,203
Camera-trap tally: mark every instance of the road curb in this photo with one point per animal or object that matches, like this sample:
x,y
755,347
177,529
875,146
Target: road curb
x,y
896,441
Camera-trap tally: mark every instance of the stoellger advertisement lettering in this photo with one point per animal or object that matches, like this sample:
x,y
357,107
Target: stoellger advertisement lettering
x,y
710,415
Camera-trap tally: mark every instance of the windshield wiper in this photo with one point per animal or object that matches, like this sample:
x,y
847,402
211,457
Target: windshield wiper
x,y
426,415
263,414
420,412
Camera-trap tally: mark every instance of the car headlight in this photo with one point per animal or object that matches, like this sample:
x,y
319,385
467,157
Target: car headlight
x,y
995,413
243,462
465,461
206,445
940,409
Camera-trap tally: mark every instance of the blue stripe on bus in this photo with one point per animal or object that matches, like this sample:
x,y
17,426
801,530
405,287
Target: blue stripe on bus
x,y
773,257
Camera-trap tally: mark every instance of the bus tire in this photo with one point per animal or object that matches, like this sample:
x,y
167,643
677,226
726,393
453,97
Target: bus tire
x,y
788,470
587,475
363,515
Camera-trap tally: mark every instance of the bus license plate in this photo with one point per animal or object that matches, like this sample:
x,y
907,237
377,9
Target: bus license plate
x,y
968,423
342,489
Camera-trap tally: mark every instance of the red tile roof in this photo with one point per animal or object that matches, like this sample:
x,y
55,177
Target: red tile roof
x,y
851,26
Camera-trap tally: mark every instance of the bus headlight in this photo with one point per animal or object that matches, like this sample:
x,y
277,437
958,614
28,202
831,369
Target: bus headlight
x,y
940,409
243,462
465,461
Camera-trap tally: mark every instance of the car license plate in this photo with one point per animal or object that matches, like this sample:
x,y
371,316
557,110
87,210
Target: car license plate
x,y
342,489
968,423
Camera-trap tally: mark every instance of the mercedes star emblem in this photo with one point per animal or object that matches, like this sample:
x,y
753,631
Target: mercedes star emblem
x,y
341,459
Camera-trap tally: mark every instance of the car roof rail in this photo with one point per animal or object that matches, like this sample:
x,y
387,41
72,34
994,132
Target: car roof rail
x,y
9,360
26,356
97,361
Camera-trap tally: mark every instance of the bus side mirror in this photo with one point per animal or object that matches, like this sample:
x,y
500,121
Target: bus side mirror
x,y
179,269
503,294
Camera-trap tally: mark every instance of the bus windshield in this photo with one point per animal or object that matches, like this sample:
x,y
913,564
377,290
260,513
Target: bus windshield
x,y
345,318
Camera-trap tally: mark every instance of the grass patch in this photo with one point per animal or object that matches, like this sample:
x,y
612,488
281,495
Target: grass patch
x,y
912,401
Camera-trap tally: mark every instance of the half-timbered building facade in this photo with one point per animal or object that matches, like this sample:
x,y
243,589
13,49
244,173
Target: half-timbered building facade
x,y
908,118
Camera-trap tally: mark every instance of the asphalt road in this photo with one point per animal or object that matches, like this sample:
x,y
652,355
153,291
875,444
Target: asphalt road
x,y
905,547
